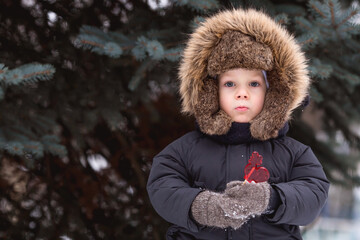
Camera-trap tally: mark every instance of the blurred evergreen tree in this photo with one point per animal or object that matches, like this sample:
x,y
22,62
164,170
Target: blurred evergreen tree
x,y
113,100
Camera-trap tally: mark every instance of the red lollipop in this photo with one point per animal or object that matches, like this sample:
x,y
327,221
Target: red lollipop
x,y
252,170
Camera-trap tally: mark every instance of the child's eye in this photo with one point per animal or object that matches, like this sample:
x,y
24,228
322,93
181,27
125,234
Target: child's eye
x,y
254,84
229,84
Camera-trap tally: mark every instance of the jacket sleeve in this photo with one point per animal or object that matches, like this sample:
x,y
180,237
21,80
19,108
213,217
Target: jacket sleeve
x,y
169,189
304,195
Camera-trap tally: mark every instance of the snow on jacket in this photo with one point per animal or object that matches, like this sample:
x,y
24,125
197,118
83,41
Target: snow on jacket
x,y
196,162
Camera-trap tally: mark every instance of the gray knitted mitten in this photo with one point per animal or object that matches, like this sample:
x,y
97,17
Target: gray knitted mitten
x,y
251,199
206,210
233,207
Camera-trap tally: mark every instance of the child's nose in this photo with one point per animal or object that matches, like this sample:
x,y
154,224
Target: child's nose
x,y
242,94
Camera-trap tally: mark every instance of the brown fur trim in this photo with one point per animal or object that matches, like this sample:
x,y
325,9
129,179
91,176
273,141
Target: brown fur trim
x,y
245,53
289,80
267,124
210,118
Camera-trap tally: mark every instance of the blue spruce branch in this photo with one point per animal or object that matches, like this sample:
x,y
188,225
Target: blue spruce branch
x,y
303,25
173,54
319,69
196,22
349,15
55,149
93,31
33,149
13,148
282,19
140,73
28,73
316,8
307,40
3,70
98,45
334,9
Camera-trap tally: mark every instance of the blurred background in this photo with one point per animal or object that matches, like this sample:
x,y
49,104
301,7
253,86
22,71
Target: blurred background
x,y
88,96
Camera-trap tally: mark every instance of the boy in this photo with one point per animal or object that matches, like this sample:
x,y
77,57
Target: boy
x,y
241,77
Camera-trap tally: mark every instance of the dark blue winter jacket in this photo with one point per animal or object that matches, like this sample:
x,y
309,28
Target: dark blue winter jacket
x,y
197,161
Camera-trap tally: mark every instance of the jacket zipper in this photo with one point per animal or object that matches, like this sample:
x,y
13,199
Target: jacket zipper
x,y
248,153
227,165
229,230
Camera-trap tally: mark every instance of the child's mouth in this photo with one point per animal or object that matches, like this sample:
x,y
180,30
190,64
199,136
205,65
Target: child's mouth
x,y
241,109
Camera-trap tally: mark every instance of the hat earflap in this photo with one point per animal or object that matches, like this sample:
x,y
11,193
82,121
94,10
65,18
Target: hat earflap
x,y
211,119
275,112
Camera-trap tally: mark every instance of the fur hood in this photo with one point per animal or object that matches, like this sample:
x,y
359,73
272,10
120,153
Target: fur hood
x,y
247,39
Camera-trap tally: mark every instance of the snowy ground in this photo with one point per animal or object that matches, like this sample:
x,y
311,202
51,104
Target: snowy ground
x,y
334,229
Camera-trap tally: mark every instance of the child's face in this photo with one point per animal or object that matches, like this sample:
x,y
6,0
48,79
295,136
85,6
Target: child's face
x,y
242,93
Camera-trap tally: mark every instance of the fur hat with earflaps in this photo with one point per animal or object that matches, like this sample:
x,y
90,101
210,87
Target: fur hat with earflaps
x,y
242,39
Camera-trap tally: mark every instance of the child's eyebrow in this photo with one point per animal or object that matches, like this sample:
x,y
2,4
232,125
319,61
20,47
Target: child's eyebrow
x,y
225,76
257,74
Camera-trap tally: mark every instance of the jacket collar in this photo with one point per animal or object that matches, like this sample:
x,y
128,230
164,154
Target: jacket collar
x,y
239,133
